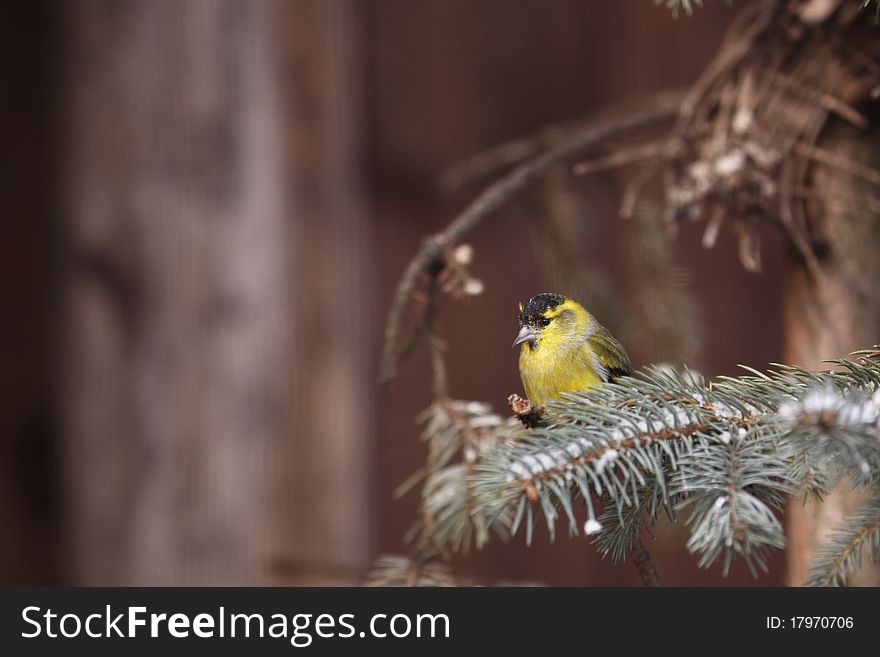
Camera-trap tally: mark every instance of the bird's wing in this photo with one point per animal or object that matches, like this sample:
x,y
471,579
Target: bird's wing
x,y
610,353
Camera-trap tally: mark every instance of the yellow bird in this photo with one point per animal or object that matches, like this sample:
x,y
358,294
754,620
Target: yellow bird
x,y
564,349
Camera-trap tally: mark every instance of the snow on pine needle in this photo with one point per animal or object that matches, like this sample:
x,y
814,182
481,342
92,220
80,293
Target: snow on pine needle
x,y
726,454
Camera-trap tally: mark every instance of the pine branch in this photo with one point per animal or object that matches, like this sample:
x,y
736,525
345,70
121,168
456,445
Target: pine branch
x,y
843,554
617,534
457,433
728,452
608,442
839,427
734,485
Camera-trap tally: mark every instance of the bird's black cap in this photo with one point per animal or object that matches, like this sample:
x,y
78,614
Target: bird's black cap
x,y
538,305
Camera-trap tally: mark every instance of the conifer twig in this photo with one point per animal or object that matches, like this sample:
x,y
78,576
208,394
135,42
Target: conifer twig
x,y
645,564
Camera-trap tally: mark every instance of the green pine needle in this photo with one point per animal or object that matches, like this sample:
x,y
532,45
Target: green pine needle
x,y
843,554
728,454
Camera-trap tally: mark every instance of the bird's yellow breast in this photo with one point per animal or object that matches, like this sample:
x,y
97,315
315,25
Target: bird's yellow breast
x,y
561,361
546,374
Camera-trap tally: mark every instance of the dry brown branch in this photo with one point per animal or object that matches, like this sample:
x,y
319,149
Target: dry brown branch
x,y
435,344
621,158
751,123
506,155
662,108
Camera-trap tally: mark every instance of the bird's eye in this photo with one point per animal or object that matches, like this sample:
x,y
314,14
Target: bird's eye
x,y
543,321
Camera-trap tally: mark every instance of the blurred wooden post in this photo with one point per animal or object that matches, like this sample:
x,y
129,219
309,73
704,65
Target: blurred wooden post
x,y
322,535
214,356
835,318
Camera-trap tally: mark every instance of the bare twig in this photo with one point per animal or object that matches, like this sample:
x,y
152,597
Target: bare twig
x,y
435,344
621,158
427,256
506,155
662,108
438,366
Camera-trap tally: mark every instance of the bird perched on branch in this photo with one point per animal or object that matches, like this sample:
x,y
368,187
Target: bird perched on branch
x,y
564,349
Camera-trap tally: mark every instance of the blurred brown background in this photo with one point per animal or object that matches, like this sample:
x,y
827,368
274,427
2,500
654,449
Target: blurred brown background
x,y
207,207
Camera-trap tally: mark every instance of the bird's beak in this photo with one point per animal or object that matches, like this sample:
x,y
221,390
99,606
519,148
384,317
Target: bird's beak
x,y
526,334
